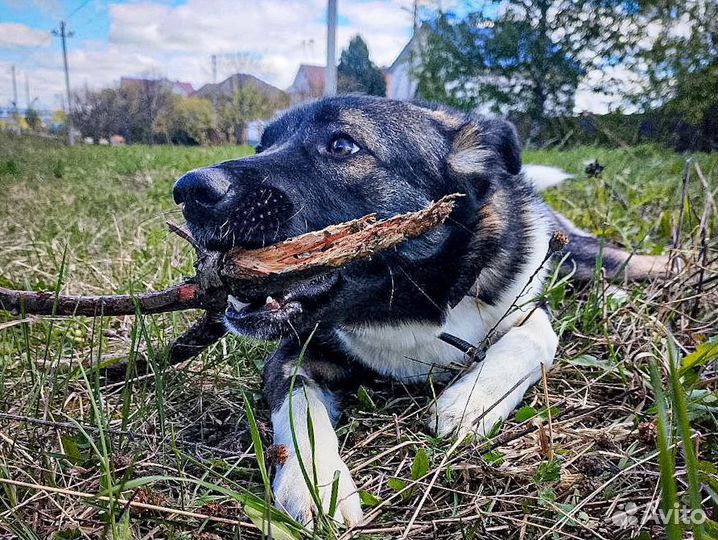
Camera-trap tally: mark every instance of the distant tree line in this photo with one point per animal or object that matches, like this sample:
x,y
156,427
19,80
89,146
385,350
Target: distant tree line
x,y
30,121
527,58
148,112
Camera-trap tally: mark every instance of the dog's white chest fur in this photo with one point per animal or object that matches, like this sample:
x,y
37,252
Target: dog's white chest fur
x,y
412,352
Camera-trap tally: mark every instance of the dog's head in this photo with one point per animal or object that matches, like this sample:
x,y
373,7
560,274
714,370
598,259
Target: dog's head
x,y
339,159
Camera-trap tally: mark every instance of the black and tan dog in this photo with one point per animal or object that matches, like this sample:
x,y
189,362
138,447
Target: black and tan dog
x,y
479,272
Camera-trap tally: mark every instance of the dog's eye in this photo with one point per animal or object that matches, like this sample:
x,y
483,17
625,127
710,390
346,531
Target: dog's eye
x,y
342,146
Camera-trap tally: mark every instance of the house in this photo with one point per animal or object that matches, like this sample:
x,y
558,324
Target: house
x,y
308,85
183,89
178,88
251,132
400,80
231,84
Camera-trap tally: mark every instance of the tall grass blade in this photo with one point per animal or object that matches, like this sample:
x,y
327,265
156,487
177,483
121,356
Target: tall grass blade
x,y
666,458
311,486
680,414
259,453
335,494
258,447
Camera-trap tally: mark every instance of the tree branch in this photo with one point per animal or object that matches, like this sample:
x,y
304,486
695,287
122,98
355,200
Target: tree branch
x,y
179,297
247,271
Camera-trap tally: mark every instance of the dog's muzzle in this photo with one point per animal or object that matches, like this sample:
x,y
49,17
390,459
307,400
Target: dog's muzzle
x,y
228,207
201,190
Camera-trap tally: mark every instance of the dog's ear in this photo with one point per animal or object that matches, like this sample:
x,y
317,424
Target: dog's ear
x,y
482,144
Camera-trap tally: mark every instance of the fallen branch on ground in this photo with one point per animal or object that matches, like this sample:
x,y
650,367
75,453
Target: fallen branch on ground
x,y
247,271
183,296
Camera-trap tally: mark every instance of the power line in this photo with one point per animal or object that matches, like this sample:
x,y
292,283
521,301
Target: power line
x,y
81,25
29,53
87,22
78,8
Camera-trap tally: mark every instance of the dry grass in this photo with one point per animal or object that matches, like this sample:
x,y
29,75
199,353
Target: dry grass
x,y
68,434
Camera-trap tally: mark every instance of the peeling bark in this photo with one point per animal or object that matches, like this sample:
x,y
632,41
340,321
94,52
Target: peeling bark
x,y
276,266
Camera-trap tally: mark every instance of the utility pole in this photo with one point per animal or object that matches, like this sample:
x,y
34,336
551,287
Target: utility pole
x,y
27,92
63,35
14,89
214,89
330,78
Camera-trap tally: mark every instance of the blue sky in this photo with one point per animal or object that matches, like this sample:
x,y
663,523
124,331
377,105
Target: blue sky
x,y
175,38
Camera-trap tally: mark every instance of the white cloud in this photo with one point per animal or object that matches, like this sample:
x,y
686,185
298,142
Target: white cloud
x,y
16,35
269,38
218,27
616,79
177,41
277,31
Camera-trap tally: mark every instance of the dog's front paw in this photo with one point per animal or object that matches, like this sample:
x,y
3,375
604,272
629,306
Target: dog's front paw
x,y
294,496
468,410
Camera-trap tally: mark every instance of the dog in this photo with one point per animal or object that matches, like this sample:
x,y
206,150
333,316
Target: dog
x,y
476,278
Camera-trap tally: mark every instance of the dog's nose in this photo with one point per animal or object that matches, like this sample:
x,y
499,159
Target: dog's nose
x,y
201,187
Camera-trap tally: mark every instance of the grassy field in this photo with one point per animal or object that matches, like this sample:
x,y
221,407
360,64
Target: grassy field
x,y
170,455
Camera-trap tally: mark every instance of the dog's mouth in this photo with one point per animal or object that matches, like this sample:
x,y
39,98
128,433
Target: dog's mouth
x,y
269,316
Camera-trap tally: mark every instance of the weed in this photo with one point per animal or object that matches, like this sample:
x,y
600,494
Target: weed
x,y
178,453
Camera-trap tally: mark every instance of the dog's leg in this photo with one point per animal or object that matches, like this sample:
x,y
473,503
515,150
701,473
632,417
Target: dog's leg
x,y
321,460
492,389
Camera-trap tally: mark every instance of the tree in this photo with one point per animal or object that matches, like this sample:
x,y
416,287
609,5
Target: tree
x,y
98,114
246,104
33,119
128,111
144,101
357,73
21,122
676,71
185,121
529,56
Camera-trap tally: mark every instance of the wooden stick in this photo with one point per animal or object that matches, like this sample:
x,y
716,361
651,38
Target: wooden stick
x,y
178,297
246,272
336,245
309,254
206,331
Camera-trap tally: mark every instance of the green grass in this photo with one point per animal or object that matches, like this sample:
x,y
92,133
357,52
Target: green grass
x,y
92,219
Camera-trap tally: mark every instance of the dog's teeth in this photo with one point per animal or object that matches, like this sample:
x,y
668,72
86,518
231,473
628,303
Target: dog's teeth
x,y
269,300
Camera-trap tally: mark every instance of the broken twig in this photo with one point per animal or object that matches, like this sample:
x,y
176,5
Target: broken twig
x,y
247,271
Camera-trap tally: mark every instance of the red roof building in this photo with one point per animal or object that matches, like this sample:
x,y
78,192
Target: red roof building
x,y
308,85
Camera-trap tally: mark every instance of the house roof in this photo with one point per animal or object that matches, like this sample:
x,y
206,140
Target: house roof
x,y
186,88
314,75
239,80
413,46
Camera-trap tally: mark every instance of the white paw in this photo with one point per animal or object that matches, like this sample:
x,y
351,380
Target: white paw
x,y
294,497
466,408
488,392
